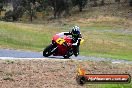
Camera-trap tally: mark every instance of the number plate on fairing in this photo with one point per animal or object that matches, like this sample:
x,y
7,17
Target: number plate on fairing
x,y
60,41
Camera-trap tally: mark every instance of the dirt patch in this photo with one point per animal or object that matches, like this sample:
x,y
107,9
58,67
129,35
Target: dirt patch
x,y
52,73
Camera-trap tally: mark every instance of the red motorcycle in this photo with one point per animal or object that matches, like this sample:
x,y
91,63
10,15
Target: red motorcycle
x,y
59,47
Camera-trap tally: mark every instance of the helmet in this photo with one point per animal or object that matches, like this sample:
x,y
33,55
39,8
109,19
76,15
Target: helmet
x,y
75,31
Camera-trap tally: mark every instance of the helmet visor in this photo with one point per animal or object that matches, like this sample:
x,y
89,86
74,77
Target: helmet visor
x,y
75,33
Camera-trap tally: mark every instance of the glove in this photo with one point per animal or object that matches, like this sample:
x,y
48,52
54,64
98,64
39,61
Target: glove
x,y
75,44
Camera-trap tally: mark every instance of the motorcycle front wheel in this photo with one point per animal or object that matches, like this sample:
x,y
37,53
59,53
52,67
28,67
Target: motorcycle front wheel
x,y
69,54
49,50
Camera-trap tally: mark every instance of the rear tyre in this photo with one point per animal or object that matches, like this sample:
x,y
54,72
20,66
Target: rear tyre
x,y
49,50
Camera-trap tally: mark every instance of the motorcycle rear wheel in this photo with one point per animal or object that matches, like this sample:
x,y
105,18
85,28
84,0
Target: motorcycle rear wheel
x,y
48,50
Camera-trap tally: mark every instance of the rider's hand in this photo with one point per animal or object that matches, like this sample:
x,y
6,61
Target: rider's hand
x,y
75,44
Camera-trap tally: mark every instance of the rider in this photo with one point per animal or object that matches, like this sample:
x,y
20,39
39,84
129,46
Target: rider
x,y
76,38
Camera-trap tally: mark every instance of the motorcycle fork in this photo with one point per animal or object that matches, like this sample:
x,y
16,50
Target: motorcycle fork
x,y
54,49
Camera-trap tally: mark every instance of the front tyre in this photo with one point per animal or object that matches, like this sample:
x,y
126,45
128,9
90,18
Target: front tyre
x,y
69,54
49,50
66,56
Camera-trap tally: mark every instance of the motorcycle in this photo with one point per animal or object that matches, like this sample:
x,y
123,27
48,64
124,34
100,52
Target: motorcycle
x,y
59,46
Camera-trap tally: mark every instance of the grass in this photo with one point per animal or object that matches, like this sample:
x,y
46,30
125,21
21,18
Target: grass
x,y
104,36
111,86
21,37
114,85
9,61
8,78
108,44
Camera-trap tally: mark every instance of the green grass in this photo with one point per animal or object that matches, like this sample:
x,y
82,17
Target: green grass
x,y
111,86
104,37
129,85
108,44
23,38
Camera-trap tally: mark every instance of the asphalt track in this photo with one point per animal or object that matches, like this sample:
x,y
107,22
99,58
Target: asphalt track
x,y
18,54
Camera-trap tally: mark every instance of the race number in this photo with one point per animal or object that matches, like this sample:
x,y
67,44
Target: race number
x,y
60,41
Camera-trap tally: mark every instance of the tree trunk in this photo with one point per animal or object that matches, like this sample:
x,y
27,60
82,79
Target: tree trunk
x,y
117,1
130,3
95,3
102,2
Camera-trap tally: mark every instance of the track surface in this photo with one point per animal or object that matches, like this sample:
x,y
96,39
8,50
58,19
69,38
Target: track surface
x,y
17,54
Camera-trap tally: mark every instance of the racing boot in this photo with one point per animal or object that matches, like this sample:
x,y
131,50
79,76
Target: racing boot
x,y
76,50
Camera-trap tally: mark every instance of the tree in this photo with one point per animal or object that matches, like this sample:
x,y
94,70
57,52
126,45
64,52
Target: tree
x,y
1,7
95,3
102,2
14,15
80,3
1,1
130,2
117,1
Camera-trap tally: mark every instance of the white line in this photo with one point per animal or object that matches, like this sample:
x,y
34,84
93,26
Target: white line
x,y
13,58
